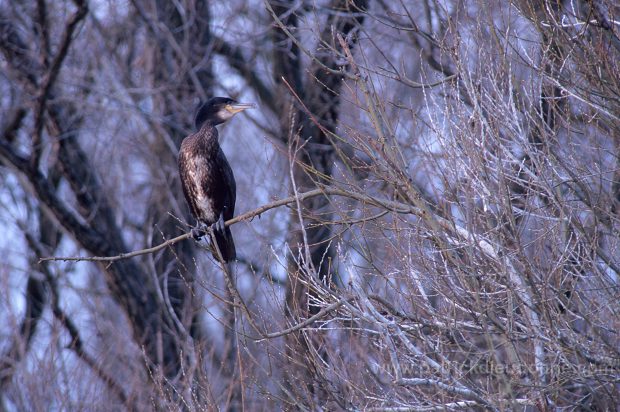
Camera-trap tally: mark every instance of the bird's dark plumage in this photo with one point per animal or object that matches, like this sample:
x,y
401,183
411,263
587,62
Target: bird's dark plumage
x,y
206,177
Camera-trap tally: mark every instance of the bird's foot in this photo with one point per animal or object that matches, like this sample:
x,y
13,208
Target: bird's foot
x,y
197,233
219,226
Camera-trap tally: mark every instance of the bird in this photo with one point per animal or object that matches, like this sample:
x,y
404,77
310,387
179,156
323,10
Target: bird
x,y
207,179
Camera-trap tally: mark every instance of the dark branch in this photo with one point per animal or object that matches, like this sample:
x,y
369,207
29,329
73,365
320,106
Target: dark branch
x,y
50,79
36,299
10,132
247,70
76,344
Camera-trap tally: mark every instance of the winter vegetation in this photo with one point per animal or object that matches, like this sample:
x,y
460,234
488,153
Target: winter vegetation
x,y
428,206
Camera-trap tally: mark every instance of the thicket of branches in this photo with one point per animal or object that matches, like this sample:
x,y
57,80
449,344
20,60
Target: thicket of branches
x,y
429,201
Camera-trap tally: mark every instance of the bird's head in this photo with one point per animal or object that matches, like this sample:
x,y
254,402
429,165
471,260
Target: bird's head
x,y
218,110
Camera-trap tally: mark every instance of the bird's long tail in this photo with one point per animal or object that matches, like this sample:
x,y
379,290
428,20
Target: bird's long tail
x,y
226,244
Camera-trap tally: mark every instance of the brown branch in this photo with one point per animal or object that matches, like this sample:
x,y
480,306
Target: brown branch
x,y
239,302
42,26
323,312
282,26
237,219
15,51
260,271
76,344
45,191
326,191
36,298
52,75
121,255
458,390
131,286
246,69
10,131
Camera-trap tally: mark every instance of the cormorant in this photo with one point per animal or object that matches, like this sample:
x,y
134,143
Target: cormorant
x,y
206,177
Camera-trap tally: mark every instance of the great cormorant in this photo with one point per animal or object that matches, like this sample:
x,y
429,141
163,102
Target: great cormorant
x,y
206,177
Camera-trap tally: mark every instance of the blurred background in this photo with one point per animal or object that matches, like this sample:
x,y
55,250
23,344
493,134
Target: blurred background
x,y
436,196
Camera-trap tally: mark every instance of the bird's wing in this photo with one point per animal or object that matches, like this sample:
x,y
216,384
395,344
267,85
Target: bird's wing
x,y
230,188
187,172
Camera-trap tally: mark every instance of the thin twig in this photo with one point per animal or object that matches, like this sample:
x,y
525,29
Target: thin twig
x,y
326,310
390,205
121,255
298,43
444,225
230,281
76,344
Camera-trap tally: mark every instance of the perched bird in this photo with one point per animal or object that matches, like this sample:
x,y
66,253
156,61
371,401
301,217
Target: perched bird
x,y
206,177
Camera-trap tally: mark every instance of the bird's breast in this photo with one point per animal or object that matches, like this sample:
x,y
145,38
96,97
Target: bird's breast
x,y
206,209
201,173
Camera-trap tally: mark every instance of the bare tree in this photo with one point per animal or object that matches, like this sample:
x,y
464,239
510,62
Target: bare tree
x,y
437,185
160,323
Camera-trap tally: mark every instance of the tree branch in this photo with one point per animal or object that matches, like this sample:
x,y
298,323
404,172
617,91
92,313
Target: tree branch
x,y
325,191
10,131
248,215
76,344
52,75
323,312
237,61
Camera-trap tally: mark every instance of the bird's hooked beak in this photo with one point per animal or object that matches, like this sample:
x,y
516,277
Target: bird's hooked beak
x,y
235,108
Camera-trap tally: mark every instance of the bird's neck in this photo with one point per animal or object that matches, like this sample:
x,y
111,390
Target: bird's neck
x,y
213,121
208,135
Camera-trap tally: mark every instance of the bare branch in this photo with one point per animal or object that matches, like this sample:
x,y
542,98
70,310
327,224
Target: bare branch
x,y
52,74
319,315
